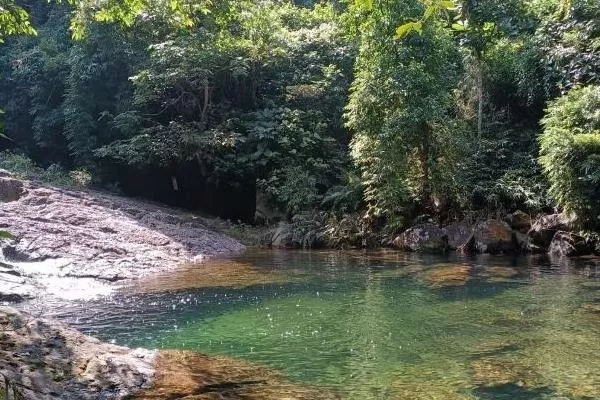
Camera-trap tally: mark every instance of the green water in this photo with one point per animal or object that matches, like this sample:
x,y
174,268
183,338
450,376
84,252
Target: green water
x,y
386,326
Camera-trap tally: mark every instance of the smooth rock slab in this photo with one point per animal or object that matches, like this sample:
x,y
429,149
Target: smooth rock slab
x,y
91,235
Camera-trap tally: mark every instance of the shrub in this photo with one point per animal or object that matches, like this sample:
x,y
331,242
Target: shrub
x,y
570,153
24,168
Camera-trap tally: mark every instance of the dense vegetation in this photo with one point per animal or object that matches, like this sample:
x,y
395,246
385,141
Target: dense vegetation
x,y
360,117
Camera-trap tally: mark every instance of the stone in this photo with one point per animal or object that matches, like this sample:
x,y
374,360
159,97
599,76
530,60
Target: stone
x,y
189,375
525,244
61,234
493,236
458,234
424,238
543,228
10,189
447,275
43,359
282,236
519,221
567,244
46,360
5,174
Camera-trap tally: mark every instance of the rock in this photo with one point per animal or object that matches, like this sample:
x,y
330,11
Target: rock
x,y
493,236
91,236
282,236
525,244
447,275
189,375
501,272
566,244
458,234
10,189
46,360
519,221
5,174
543,228
425,238
43,359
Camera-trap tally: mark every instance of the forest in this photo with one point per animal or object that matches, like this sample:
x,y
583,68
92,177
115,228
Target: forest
x,y
353,120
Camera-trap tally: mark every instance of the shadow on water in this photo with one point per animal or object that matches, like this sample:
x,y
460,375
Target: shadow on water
x,y
511,391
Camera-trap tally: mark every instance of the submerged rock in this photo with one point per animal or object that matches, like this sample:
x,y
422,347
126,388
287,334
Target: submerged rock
x,y
424,238
188,375
447,275
212,273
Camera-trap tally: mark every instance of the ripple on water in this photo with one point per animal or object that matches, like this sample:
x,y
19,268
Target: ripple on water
x,y
376,326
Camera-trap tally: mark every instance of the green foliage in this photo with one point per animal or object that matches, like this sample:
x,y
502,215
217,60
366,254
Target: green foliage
x,y
23,167
400,108
570,152
501,172
14,20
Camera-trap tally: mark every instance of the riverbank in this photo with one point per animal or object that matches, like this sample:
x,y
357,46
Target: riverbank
x,y
43,360
82,243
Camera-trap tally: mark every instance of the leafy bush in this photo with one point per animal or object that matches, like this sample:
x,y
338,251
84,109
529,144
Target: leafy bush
x,y
24,168
570,152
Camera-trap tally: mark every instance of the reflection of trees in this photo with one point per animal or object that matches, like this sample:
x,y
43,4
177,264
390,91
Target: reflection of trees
x,y
370,331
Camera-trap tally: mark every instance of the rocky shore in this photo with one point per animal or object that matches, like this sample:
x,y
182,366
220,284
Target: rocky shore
x,y
46,360
79,244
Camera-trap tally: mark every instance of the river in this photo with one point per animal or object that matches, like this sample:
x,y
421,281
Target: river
x,y
374,325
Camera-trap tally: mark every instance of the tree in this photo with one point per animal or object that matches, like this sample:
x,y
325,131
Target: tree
x,y
400,108
570,152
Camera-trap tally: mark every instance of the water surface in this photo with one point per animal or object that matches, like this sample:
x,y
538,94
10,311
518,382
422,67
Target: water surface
x,y
376,325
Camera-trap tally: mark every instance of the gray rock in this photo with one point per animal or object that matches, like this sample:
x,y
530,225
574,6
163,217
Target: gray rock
x,y
5,174
43,359
567,244
519,221
62,233
282,236
425,238
493,236
543,228
458,234
10,189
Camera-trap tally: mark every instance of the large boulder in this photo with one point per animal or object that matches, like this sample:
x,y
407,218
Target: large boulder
x,y
567,244
425,238
458,234
493,236
519,221
10,189
543,228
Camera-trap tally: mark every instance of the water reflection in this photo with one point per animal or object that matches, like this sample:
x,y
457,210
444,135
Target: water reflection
x,y
377,325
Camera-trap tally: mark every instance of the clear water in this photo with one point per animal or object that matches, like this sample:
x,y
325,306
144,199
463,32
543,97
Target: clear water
x,y
379,325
